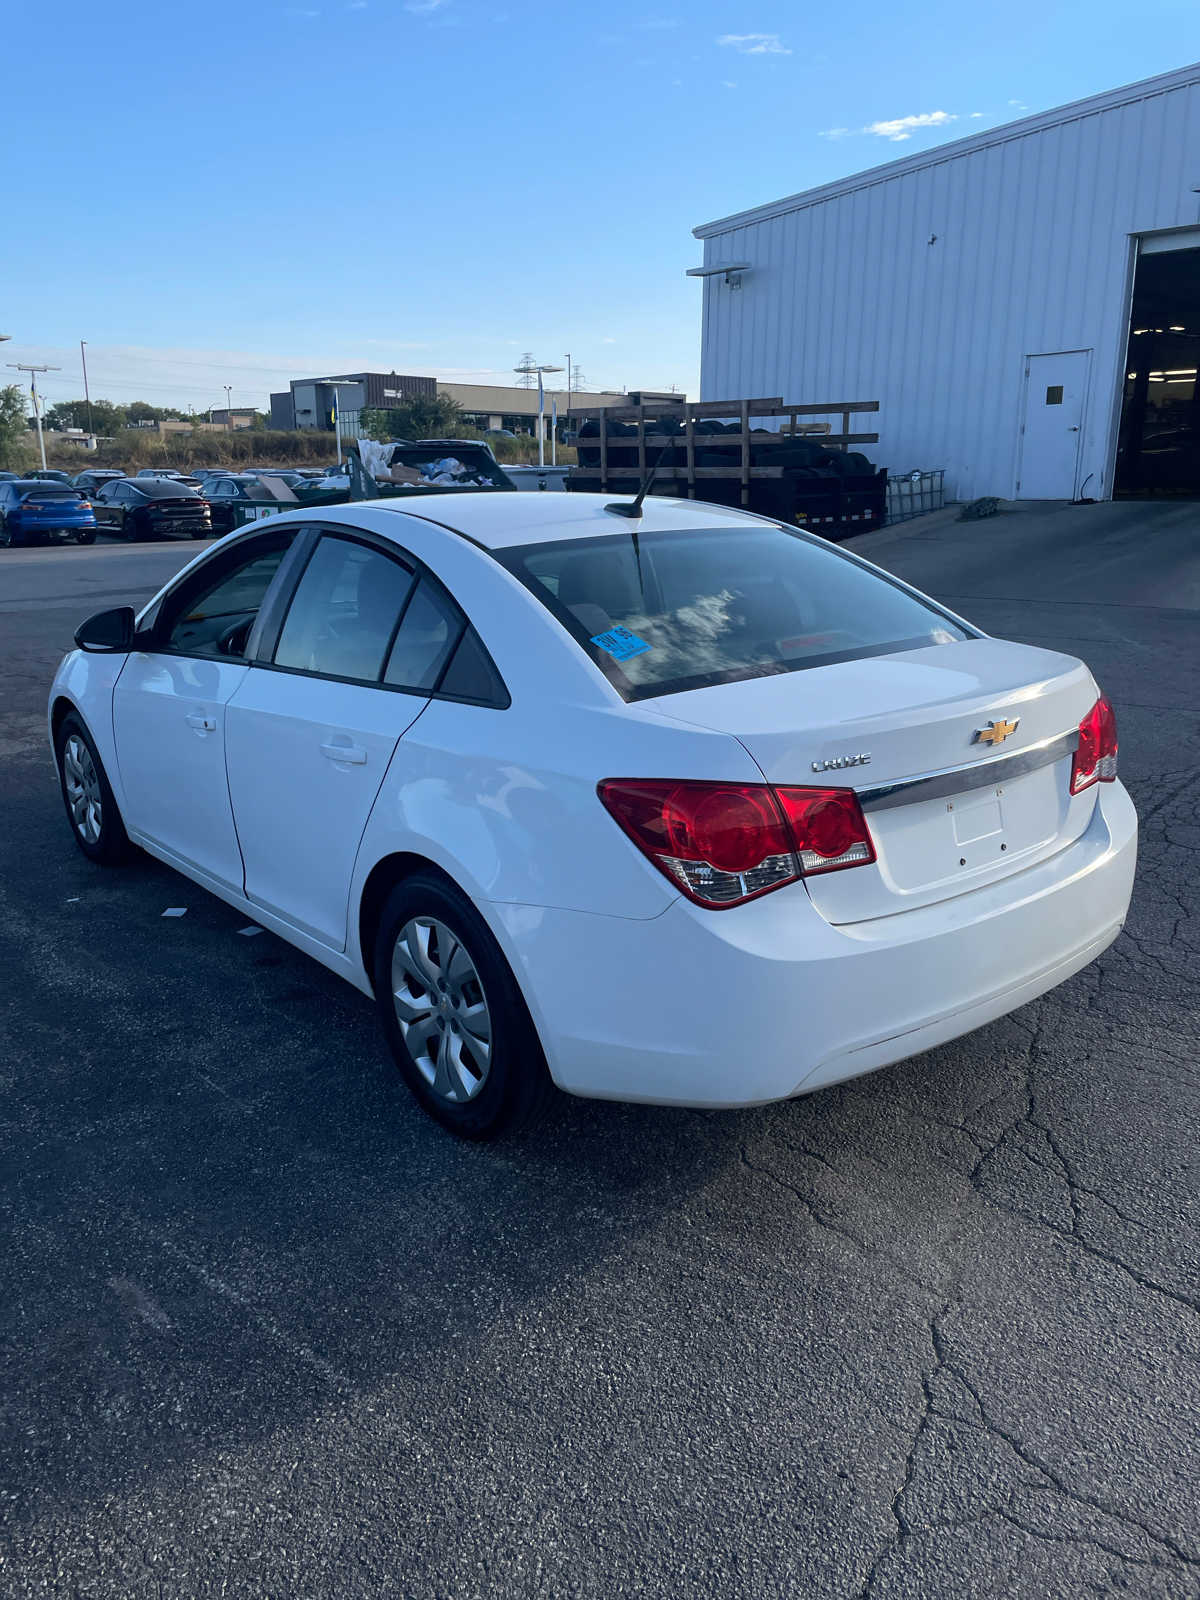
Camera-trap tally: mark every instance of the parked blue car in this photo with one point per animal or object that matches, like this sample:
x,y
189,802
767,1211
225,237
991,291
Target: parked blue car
x,y
32,509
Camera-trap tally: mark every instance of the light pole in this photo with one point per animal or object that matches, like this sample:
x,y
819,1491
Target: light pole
x,y
228,388
541,407
87,396
37,411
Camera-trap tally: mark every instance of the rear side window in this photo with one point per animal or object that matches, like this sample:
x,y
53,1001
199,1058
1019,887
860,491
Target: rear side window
x,y
428,632
344,614
661,612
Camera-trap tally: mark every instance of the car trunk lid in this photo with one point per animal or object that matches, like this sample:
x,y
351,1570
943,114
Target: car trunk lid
x,y
960,753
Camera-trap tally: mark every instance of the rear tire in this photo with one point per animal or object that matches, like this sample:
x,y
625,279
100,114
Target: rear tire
x,y
87,795
86,536
454,1017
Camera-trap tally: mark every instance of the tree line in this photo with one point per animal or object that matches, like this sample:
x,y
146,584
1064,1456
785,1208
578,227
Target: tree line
x,y
107,417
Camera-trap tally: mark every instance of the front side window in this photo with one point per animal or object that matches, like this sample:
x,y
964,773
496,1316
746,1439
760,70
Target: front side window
x,y
344,614
215,620
661,612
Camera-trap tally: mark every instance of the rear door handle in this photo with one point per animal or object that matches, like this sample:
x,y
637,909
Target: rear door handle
x,y
202,724
353,754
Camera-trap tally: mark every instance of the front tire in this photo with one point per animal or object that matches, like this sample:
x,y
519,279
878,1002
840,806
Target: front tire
x,y
453,1015
87,795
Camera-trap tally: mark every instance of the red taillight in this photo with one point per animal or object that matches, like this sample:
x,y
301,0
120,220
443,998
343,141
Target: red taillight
x,y
1095,758
828,828
725,843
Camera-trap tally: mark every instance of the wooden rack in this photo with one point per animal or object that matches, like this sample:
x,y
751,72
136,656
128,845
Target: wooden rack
x,y
680,464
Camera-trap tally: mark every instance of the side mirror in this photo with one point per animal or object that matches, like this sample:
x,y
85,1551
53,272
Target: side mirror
x,y
107,632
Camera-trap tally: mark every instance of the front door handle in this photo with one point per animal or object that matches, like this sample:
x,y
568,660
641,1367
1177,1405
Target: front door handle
x,y
202,724
353,754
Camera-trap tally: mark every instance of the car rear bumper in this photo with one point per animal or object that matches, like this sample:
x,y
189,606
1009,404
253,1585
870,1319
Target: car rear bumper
x,y
46,530
769,1000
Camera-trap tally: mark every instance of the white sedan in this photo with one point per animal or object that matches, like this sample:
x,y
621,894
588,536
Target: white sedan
x,y
683,807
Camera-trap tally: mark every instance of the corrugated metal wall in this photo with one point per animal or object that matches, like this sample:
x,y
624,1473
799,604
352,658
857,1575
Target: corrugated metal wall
x,y
849,300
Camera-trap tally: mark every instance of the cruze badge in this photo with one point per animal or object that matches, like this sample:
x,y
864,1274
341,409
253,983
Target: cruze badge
x,y
836,763
996,732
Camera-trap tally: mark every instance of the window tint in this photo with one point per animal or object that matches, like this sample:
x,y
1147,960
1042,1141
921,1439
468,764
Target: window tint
x,y
471,673
670,611
344,612
216,621
428,633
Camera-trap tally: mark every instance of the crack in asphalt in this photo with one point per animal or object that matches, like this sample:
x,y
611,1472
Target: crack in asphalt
x,y
907,1527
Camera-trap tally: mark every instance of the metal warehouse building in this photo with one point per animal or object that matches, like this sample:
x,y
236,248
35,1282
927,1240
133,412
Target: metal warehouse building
x,y
1024,303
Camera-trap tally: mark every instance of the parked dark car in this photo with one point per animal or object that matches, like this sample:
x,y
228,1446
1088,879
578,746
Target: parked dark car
x,y
152,508
32,510
95,478
231,498
50,475
288,474
10,477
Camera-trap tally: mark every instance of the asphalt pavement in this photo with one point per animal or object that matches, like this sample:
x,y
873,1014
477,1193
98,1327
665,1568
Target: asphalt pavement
x,y
265,1330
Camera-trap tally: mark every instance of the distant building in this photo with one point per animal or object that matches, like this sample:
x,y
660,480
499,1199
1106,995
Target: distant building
x,y
236,417
309,402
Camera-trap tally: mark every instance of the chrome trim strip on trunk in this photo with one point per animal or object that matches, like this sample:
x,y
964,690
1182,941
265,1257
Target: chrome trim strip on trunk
x,y
976,775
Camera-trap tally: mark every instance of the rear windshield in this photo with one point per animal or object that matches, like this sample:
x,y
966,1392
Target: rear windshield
x,y
663,612
165,489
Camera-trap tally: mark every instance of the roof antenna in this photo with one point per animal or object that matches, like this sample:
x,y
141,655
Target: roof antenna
x,y
633,508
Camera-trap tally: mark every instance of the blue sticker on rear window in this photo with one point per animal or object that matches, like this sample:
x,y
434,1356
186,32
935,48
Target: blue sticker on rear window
x,y
620,643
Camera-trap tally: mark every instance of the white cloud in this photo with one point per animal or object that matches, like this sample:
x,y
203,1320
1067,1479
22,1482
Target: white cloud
x,y
975,114
754,44
606,340
1018,105
898,128
728,83
423,8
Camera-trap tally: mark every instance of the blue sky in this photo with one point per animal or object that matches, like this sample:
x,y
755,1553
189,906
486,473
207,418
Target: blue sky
x,y
245,192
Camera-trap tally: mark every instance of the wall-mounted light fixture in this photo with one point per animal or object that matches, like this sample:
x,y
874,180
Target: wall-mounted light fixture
x,y
732,271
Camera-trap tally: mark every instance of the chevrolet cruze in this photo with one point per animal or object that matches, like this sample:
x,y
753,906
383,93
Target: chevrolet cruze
x,y
684,807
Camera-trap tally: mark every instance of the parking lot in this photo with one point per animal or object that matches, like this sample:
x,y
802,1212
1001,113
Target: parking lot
x,y
266,1331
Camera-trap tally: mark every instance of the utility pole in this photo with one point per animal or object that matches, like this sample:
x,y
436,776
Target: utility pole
x,y
568,361
87,397
228,387
20,366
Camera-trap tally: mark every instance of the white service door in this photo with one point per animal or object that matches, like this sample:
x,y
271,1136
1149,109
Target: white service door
x,y
1055,394
169,724
306,757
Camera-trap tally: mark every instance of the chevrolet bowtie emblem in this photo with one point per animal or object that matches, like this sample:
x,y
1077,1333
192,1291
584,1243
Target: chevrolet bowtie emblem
x,y
996,732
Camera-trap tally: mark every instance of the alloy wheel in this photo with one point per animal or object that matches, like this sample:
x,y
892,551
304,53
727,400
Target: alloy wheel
x,y
82,783
442,1009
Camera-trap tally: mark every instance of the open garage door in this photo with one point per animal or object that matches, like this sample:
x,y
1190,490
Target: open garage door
x,y
1158,447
